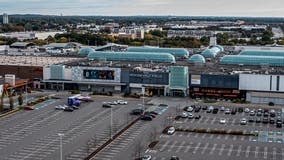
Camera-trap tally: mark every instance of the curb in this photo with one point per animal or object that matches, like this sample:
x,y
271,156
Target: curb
x,y
9,113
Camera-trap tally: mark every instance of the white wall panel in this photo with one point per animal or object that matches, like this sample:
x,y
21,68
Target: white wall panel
x,y
281,85
254,82
46,73
68,74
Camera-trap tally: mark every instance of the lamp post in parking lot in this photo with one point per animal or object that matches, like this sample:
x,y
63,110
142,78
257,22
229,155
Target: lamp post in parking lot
x,y
61,135
110,123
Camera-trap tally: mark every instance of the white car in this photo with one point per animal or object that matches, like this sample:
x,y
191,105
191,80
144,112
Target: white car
x,y
243,121
147,157
184,115
222,121
190,109
227,111
190,116
246,110
59,107
121,102
171,130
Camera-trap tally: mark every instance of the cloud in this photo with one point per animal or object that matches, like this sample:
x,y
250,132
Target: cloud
x,y
146,7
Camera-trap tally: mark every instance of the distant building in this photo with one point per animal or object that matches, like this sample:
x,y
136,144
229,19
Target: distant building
x,y
190,33
5,18
29,35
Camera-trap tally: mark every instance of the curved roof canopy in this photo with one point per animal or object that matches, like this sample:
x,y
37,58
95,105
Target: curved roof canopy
x,y
86,51
211,52
196,58
133,56
262,53
177,52
252,60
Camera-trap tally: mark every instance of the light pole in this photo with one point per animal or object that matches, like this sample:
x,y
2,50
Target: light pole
x,y
61,135
110,123
26,93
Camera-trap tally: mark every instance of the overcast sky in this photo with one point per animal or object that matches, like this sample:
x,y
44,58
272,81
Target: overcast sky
x,y
268,8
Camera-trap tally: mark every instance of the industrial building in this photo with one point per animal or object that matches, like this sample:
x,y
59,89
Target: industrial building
x,y
5,18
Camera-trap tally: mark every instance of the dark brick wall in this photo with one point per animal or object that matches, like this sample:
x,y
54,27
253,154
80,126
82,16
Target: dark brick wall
x,y
24,72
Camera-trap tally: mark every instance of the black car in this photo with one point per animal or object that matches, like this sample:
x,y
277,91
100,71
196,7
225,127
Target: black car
x,y
106,105
197,109
137,112
251,119
233,111
204,107
197,117
240,109
146,118
174,158
215,110
265,114
68,109
265,120
278,124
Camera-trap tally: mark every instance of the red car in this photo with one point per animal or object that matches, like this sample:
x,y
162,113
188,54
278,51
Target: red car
x,y
28,108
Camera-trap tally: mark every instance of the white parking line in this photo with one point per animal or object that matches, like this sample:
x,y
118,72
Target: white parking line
x,y
172,146
234,120
226,137
274,153
207,118
265,153
213,149
213,120
180,147
203,136
205,148
196,148
221,149
164,146
247,151
239,150
230,150
188,147
256,152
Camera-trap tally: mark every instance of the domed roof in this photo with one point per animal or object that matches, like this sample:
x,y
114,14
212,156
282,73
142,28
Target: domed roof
x,y
86,51
196,58
220,47
208,53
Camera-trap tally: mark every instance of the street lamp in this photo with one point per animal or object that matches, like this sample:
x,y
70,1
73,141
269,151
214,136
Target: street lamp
x,y
61,135
110,123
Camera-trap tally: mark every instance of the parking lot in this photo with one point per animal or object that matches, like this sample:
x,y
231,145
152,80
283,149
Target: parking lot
x,y
34,134
268,144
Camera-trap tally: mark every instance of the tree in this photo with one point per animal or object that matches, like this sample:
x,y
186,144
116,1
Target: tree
x,y
11,102
20,100
2,102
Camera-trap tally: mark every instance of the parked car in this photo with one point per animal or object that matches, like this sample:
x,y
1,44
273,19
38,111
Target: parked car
x,y
75,107
189,109
121,102
271,120
204,107
246,110
137,111
174,158
252,113
146,118
243,121
258,120
59,107
147,157
28,108
113,103
240,109
190,116
210,109
222,121
265,120
171,130
184,115
69,109
258,113
106,105
227,111
278,124
251,119
215,110
197,117
265,114
234,111
222,108
197,108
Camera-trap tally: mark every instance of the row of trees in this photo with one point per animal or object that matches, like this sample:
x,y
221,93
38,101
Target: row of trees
x,y
11,101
